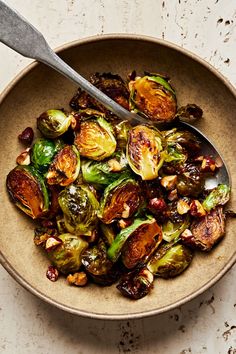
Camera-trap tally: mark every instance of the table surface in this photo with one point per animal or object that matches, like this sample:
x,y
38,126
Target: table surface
x,y
208,323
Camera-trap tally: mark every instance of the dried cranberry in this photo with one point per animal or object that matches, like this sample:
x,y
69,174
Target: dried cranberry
x,y
157,205
26,136
52,273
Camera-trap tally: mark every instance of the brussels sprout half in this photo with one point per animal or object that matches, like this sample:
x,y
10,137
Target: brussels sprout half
x,y
67,256
191,181
170,260
79,205
153,97
95,139
53,123
104,172
43,151
122,132
65,167
121,199
171,231
98,265
206,231
136,284
112,85
141,243
218,196
184,138
28,191
144,237
144,151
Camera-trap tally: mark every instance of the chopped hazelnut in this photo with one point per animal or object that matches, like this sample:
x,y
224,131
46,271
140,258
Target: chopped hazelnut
x,y
78,279
169,182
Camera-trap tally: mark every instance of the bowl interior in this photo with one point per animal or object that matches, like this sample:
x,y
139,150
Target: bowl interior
x,y
41,88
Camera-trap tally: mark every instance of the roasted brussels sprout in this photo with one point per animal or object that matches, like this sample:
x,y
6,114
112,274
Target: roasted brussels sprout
x,y
121,199
136,284
99,266
191,181
53,123
184,138
153,97
145,235
108,233
205,231
141,243
79,205
95,139
65,167
170,260
105,172
189,113
144,152
112,85
28,191
171,231
218,196
122,132
67,256
43,151
175,154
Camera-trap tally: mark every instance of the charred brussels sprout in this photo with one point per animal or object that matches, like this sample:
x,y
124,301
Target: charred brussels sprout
x,y
122,132
108,233
136,284
67,256
171,231
218,196
95,139
112,85
153,97
121,199
105,172
170,260
53,123
175,154
144,237
191,181
79,205
141,243
65,167
43,151
184,138
189,113
98,265
144,152
28,191
206,231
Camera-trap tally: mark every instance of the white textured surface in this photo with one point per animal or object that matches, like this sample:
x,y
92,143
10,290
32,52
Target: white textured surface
x,y
206,324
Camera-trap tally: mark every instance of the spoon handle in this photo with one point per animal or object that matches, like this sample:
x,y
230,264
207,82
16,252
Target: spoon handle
x,y
18,34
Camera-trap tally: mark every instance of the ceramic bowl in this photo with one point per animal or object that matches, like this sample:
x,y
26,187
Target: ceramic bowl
x,y
39,88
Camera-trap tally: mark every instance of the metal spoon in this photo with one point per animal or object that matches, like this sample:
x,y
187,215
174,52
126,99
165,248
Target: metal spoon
x,y
18,34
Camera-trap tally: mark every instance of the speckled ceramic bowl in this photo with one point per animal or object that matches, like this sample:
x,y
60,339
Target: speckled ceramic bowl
x,y
39,88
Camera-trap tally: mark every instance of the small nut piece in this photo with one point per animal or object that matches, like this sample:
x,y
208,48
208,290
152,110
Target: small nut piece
x,y
208,164
52,242
23,158
196,209
182,206
123,223
52,273
114,165
78,279
173,195
169,182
